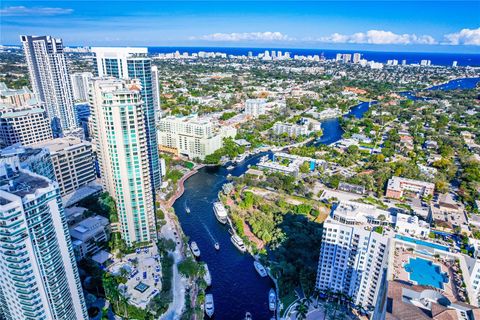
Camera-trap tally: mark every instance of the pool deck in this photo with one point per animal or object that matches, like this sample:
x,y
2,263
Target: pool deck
x,y
402,257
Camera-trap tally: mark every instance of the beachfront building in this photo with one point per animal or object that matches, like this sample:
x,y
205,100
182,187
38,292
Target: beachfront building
x,y
80,85
72,161
38,274
133,63
24,125
353,255
120,139
192,136
50,79
16,97
255,107
398,187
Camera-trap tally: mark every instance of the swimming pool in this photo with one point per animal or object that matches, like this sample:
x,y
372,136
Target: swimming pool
x,y
425,272
422,243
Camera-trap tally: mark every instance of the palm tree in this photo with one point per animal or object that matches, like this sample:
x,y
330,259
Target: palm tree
x,y
316,296
302,309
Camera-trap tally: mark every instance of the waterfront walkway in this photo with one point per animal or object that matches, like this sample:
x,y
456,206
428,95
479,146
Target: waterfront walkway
x,y
180,187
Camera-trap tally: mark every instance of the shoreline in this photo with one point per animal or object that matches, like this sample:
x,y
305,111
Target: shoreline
x,y
180,185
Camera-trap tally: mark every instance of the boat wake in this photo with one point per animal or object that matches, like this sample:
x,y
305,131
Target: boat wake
x,y
209,233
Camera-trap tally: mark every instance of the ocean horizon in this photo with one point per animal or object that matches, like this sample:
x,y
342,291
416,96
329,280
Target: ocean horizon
x,y
437,58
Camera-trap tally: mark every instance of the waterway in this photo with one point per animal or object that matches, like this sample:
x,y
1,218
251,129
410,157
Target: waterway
x,y
236,286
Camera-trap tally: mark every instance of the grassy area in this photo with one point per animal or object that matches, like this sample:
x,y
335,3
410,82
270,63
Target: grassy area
x,y
287,300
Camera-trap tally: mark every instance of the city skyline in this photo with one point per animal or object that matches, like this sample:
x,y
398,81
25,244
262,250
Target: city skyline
x,y
398,26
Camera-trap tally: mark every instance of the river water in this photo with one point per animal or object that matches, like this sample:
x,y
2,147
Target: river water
x,y
236,286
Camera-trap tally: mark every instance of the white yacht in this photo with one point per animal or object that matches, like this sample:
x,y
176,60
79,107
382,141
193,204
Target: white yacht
x,y
195,249
220,212
272,300
209,307
238,242
207,277
240,158
260,269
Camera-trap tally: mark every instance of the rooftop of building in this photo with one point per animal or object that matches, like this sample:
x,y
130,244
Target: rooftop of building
x,y
12,112
6,91
87,228
21,183
357,213
59,144
394,183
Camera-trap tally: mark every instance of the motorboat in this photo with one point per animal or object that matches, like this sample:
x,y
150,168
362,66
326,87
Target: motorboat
x,y
260,269
238,242
188,210
272,300
207,277
220,212
195,249
240,158
248,316
230,168
217,246
209,307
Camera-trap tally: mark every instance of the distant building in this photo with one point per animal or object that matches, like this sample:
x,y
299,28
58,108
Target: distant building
x,y
87,234
397,187
16,97
72,162
454,64
356,57
354,188
50,79
80,85
26,125
290,129
255,107
192,136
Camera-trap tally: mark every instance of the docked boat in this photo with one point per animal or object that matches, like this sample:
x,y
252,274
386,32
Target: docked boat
x,y
209,307
195,249
220,212
240,158
238,242
248,316
207,277
272,300
230,167
260,269
217,246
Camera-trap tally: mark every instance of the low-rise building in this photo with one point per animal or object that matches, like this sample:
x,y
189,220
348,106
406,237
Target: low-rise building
x,y
16,97
411,225
192,136
290,129
72,161
87,234
398,187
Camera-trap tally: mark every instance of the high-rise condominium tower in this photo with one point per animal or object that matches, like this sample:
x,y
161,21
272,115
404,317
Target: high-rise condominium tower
x,y
133,63
120,137
38,275
50,79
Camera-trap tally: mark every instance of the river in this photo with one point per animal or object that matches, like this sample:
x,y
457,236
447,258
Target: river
x,y
236,286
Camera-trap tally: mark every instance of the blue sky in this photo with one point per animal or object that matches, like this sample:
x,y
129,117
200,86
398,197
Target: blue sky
x,y
450,26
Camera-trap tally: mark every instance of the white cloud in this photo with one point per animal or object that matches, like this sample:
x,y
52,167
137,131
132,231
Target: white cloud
x,y
245,36
30,11
379,37
464,37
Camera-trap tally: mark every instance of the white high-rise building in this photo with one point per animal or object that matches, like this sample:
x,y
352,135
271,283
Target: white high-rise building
x,y
255,107
50,79
80,85
353,257
338,57
454,64
356,57
133,63
120,138
38,275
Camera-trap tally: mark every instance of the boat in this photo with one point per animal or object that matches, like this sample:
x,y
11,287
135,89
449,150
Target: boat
x,y
209,307
248,316
230,167
240,158
217,246
238,242
272,300
188,210
195,249
220,212
260,269
207,277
